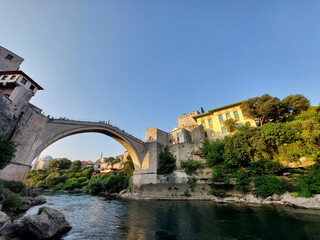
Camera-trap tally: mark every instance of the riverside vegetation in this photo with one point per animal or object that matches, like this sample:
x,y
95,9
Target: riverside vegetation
x,y
63,174
258,158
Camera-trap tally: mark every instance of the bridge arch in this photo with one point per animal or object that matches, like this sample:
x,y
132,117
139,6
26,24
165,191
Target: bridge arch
x,y
56,130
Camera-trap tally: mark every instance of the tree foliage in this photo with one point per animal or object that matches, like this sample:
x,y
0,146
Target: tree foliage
x,y
296,103
75,166
60,163
167,163
213,152
7,150
191,166
230,125
128,167
265,108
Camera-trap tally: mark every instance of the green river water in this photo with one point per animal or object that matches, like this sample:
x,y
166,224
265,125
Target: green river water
x,y
96,217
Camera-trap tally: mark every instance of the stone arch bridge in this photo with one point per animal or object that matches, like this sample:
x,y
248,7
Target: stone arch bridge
x,y
33,138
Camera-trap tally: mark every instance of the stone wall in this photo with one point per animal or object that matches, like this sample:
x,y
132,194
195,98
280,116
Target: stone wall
x,y
6,116
9,65
155,134
31,121
186,121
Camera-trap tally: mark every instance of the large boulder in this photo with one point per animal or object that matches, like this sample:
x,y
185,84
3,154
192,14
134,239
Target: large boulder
x,y
47,223
3,218
28,202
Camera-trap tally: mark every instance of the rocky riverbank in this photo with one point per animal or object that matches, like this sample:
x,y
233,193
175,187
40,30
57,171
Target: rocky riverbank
x,y
16,200
46,224
285,199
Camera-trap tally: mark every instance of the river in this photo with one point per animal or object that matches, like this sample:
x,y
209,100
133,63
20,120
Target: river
x,y
97,217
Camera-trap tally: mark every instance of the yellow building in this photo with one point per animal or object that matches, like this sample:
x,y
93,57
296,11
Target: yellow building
x,y
212,121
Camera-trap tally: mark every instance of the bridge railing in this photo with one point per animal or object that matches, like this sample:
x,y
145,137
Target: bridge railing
x,y
101,122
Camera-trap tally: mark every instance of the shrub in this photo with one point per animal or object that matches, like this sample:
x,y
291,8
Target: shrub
x,y
275,134
87,172
114,183
59,186
191,166
12,201
266,185
95,186
167,163
7,150
238,148
72,185
213,152
192,183
310,184
216,192
218,174
186,193
128,167
15,187
242,180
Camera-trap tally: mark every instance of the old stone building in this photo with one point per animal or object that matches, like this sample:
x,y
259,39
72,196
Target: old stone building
x,y
9,61
213,120
19,119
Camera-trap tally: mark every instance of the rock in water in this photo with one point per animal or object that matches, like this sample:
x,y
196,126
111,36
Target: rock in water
x,y
47,223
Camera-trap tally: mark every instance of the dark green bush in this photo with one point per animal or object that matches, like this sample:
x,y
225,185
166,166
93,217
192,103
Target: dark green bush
x,y
218,174
95,186
242,180
115,183
7,150
191,166
186,193
167,163
12,201
192,183
15,187
310,183
267,185
213,152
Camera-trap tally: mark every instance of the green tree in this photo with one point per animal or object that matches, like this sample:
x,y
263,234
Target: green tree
x,y
213,152
238,149
128,166
231,125
60,163
7,150
296,103
75,166
167,163
265,108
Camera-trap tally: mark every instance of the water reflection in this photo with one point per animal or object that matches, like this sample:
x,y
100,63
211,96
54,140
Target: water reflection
x,y
94,217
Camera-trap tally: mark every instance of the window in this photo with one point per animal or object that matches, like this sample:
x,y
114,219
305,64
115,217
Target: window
x,y
203,123
23,81
210,122
248,124
9,57
228,115
205,133
223,129
239,124
4,77
236,115
13,76
220,118
32,87
212,133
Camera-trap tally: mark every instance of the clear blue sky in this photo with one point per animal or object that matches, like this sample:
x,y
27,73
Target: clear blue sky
x,y
144,63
